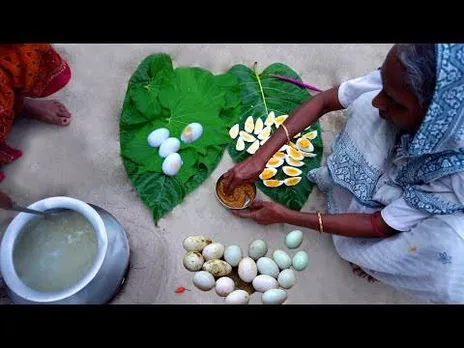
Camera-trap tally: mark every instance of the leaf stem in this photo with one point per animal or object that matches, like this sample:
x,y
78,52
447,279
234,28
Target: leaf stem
x,y
255,69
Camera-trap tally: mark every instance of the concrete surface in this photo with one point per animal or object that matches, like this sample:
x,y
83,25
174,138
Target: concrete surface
x,y
82,161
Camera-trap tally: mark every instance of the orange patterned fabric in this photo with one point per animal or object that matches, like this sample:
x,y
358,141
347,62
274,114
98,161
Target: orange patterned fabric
x,y
26,70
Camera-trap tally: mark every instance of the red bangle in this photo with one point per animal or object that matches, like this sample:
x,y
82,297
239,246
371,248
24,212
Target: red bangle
x,y
375,227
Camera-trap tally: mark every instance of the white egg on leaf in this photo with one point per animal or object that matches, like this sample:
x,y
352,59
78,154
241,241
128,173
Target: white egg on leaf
x,y
192,132
170,145
172,164
157,137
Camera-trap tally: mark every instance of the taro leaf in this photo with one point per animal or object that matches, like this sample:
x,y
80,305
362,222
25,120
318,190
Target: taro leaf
x,y
261,94
159,96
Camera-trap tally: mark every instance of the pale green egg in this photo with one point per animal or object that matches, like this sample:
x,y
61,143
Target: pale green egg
x,y
257,249
233,255
282,259
300,260
267,266
287,278
294,239
274,296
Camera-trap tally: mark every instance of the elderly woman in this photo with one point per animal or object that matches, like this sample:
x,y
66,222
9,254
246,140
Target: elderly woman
x,y
395,179
29,72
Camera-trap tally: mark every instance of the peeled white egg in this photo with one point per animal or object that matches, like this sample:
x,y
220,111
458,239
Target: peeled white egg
x,y
192,132
157,137
233,255
203,280
213,251
171,164
263,283
247,270
274,296
238,297
170,145
224,286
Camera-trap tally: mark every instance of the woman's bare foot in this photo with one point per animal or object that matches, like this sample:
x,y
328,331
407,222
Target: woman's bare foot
x,y
48,111
360,273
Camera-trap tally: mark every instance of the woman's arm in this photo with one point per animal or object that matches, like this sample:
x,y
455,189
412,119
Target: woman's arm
x,y
304,116
348,225
307,114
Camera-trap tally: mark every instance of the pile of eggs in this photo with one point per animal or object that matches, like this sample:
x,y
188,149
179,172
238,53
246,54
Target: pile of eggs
x,y
272,276
257,133
168,146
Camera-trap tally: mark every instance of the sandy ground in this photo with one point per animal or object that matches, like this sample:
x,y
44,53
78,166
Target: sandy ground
x,y
82,161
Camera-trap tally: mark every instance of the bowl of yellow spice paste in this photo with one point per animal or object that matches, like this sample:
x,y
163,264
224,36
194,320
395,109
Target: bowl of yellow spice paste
x,y
240,198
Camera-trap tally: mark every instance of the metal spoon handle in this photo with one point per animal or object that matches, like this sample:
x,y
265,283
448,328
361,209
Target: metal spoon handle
x,y
17,207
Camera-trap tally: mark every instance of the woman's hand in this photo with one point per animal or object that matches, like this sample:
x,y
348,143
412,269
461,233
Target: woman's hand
x,y
246,172
5,201
264,213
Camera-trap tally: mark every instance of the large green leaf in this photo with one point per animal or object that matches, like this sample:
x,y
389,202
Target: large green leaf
x,y
160,96
260,94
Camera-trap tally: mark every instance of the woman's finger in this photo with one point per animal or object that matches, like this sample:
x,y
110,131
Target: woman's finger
x,y
247,214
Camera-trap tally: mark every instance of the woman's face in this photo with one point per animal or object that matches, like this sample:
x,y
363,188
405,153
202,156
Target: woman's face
x,y
396,103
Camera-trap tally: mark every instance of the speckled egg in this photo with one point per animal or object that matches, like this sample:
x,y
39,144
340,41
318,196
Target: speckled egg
x,y
196,243
217,268
193,261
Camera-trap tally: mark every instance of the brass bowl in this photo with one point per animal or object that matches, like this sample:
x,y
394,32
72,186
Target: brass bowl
x,y
247,203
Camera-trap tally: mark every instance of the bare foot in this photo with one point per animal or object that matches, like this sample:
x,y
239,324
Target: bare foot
x,y
360,273
48,111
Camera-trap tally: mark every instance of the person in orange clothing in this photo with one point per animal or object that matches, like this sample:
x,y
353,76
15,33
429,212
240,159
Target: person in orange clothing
x,y
29,72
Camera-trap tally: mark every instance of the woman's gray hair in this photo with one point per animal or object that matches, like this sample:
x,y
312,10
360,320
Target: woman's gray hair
x,y
419,61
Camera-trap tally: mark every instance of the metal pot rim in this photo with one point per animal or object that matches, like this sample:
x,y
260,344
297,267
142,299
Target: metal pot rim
x,y
8,271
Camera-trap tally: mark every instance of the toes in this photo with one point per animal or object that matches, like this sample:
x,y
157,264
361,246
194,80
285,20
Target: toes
x,y
65,121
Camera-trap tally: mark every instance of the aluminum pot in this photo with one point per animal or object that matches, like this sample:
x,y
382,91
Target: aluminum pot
x,y
103,278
